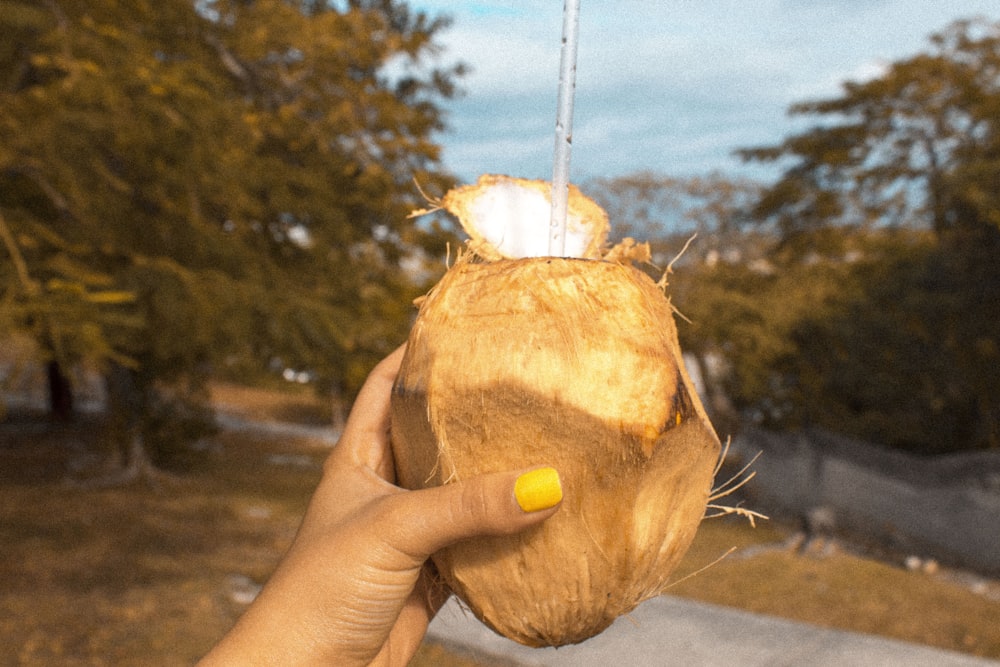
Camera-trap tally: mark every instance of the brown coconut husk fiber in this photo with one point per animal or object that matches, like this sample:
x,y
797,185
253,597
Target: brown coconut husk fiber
x,y
572,363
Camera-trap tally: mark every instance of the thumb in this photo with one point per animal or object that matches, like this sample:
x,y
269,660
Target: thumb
x,y
492,504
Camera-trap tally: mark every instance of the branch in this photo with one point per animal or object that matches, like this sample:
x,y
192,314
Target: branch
x,y
34,174
229,61
30,286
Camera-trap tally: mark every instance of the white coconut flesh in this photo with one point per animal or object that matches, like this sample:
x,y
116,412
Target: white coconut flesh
x,y
514,219
509,218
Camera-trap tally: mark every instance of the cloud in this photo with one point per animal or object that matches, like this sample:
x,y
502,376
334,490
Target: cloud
x,y
506,65
675,87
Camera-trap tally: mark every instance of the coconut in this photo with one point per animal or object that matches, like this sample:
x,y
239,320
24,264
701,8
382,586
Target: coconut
x,y
564,361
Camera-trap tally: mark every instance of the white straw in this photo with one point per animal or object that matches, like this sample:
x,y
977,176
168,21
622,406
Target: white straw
x,y
564,129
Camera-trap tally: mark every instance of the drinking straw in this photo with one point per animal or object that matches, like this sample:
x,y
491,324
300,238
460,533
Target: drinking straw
x,y
564,129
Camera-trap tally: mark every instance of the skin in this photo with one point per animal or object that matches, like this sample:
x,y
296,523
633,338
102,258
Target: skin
x,y
356,587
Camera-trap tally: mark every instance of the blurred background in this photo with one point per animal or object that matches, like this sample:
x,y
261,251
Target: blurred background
x,y
204,247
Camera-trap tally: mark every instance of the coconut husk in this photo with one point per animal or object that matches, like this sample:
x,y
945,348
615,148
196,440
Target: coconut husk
x,y
572,363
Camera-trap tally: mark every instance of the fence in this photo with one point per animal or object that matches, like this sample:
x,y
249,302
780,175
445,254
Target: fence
x,y
946,507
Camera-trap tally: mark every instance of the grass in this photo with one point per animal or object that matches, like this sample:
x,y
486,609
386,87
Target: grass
x,y
840,589
139,575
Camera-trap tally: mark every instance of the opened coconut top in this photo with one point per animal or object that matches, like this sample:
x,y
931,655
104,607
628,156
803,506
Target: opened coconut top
x,y
509,218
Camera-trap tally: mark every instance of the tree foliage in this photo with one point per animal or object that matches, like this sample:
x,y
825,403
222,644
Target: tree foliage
x,y
667,211
896,187
915,146
187,187
904,351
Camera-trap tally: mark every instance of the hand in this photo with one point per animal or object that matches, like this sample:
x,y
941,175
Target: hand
x,y
355,588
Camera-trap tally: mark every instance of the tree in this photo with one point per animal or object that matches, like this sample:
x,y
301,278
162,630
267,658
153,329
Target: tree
x,y
889,357
668,211
906,147
896,188
193,187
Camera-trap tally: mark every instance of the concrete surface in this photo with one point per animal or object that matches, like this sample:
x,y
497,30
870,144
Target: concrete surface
x,y
669,631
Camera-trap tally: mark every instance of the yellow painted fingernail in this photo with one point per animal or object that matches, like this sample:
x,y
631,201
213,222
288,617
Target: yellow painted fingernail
x,y
538,489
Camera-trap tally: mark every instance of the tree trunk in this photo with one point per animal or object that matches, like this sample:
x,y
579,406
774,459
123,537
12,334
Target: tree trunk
x,y
125,409
720,409
136,463
60,392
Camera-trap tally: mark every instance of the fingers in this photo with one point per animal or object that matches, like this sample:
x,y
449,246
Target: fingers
x,y
371,408
419,523
496,504
365,433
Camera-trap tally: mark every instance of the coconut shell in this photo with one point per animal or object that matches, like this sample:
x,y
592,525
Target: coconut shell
x,y
572,363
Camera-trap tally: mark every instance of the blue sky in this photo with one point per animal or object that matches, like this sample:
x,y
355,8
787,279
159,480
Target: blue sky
x,y
672,86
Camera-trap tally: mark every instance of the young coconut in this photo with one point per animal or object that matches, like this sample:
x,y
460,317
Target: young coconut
x,y
517,359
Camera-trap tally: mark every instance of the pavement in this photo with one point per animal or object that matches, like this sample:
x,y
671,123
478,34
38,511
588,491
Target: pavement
x,y
667,631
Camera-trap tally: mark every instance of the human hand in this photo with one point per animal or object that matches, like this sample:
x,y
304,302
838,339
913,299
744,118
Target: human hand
x,y
355,587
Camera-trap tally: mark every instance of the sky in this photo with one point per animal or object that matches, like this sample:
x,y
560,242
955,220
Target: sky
x,y
669,86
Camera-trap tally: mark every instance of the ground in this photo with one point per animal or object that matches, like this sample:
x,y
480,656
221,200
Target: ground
x,y
145,574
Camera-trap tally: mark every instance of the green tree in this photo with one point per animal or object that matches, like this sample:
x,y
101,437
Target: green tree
x,y
893,192
891,356
668,211
914,146
192,187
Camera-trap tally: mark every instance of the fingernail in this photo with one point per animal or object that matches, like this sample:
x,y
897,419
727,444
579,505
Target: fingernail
x,y
538,489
